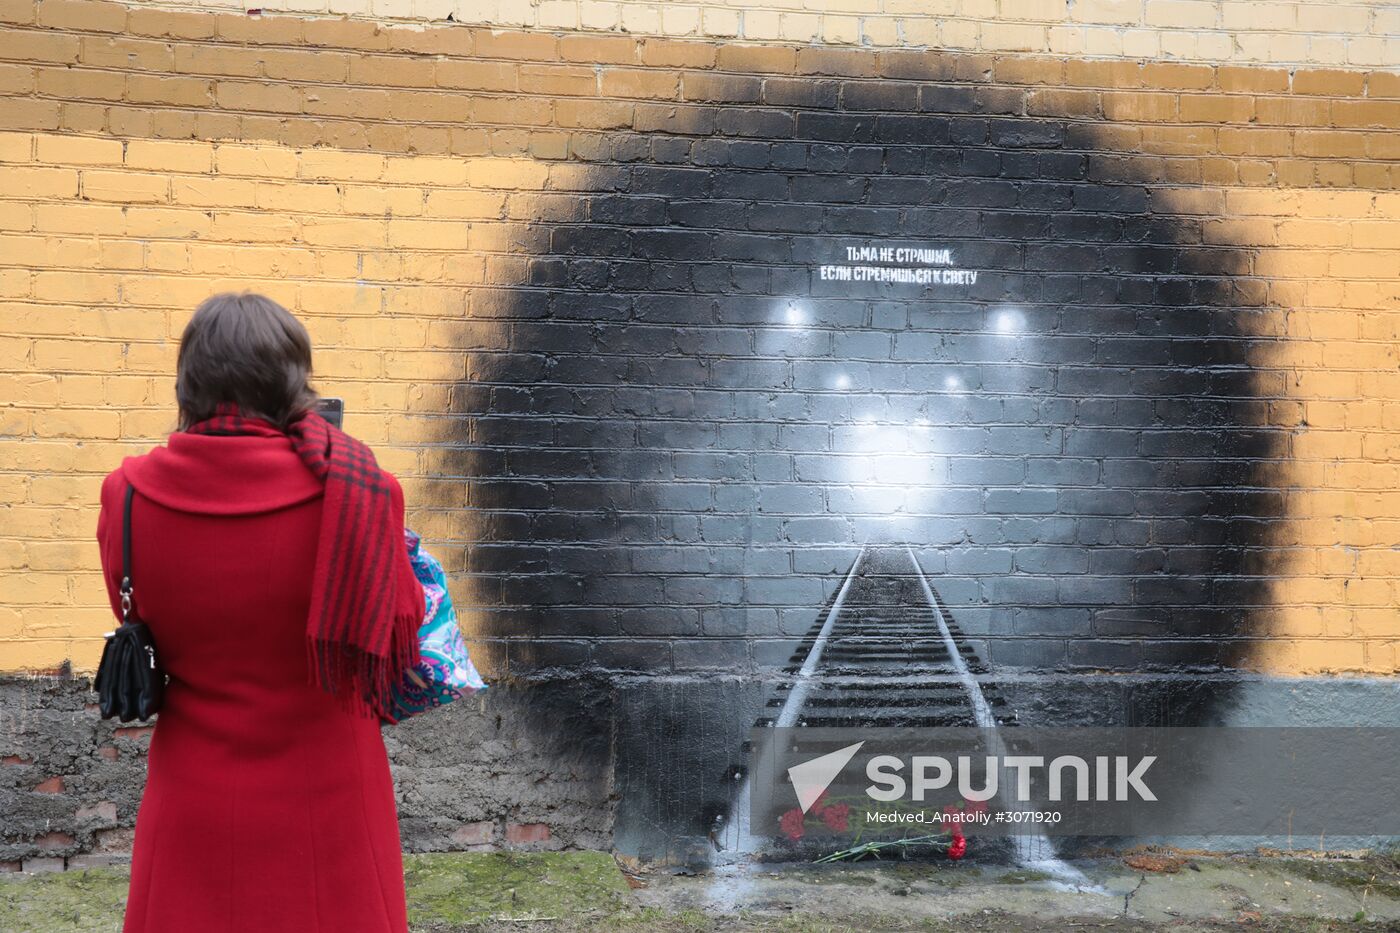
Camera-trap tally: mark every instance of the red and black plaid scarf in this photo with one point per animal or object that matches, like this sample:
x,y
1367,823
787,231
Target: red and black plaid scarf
x,y
362,633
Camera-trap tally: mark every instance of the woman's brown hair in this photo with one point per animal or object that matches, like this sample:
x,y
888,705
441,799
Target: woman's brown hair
x,y
246,349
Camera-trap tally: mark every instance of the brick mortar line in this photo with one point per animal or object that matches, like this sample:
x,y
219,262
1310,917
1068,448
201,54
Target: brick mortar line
x,y
622,194
800,607
1287,431
835,362
551,166
553,127
786,516
828,361
787,638
489,575
979,575
740,452
1286,492
1264,221
1194,249
976,69
681,73
420,21
496,223
1204,277
1111,155
503,35
513,95
1213,278
1271,341
457,481
1264,342
1292,550
1159,212
469,319
827,453
751,639
1292,492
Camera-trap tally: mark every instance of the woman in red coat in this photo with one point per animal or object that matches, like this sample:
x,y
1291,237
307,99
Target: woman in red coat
x,y
268,562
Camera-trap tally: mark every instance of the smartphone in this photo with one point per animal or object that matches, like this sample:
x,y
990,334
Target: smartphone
x,y
332,409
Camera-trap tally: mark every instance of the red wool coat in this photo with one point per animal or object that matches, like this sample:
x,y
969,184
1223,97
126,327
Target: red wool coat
x,y
267,807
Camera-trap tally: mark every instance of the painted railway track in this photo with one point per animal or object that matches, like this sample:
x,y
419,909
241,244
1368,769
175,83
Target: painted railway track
x,y
883,660
888,653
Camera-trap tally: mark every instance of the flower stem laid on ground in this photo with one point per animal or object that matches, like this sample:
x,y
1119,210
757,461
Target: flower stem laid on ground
x,y
875,848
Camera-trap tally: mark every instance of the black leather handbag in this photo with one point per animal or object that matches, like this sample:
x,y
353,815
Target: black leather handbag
x,y
130,683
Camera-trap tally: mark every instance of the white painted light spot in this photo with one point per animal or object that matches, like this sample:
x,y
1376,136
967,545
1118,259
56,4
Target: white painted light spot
x,y
1007,322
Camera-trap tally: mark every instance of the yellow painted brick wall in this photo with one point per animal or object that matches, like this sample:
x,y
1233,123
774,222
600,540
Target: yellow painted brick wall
x,y
107,245
476,91
1331,260
1352,34
370,177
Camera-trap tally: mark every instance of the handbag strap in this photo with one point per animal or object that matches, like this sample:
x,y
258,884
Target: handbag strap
x,y
126,588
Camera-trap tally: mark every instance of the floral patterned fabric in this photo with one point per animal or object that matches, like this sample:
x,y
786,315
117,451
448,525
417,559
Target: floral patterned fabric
x,y
444,672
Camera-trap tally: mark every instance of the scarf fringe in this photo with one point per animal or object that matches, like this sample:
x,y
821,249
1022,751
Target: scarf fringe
x,y
363,682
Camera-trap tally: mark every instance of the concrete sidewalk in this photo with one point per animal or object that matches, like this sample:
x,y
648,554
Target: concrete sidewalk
x,y
582,891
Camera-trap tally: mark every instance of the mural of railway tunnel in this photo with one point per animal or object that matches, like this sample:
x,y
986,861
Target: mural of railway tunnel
x,y
699,426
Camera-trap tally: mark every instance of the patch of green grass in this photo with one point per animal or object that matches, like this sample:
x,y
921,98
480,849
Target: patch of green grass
x,y
644,920
470,887
584,892
1387,856
85,901
942,873
445,890
1378,874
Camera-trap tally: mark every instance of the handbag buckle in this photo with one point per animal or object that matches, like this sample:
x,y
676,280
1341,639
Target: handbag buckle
x,y
126,597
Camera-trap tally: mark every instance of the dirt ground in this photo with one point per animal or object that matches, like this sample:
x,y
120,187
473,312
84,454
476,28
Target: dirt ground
x,y
589,891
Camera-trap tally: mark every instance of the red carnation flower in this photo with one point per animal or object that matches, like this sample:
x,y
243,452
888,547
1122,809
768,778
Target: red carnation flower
x,y
818,805
791,823
958,847
837,817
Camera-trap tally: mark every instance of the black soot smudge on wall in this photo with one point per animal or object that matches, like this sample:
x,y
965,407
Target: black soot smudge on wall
x,y
679,438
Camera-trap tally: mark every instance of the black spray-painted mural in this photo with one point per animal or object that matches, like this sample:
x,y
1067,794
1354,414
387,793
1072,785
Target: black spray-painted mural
x,y
954,372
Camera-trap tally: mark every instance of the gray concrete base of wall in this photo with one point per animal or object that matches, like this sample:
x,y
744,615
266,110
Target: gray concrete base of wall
x,y
636,765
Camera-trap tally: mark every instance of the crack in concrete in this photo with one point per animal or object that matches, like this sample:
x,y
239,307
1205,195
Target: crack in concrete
x,y
1127,898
